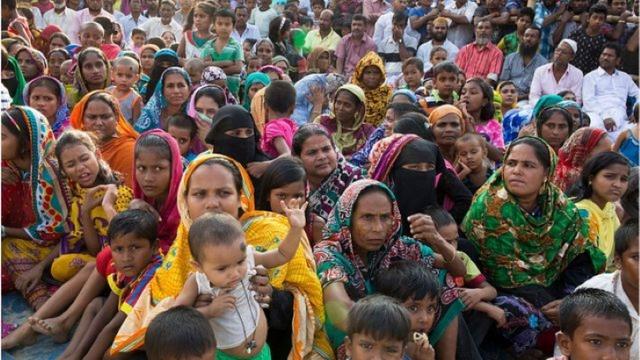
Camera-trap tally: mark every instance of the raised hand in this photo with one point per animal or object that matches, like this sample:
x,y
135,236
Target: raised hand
x,y
295,212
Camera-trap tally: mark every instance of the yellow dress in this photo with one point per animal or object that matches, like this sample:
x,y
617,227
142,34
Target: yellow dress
x,y
604,222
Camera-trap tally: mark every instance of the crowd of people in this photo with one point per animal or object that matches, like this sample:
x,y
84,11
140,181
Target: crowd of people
x,y
322,179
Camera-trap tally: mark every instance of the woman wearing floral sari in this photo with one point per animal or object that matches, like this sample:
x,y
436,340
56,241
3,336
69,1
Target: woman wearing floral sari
x,y
370,76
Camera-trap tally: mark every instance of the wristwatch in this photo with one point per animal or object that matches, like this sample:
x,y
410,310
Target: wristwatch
x,y
401,41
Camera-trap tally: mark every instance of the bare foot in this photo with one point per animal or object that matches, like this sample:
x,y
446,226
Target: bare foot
x,y
55,327
22,336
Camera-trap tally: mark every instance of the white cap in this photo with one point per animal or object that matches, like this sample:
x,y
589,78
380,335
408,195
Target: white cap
x,y
572,44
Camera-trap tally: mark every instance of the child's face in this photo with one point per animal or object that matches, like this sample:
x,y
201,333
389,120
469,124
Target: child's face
x,y
153,173
471,153
522,23
371,77
80,165
250,4
445,83
628,264
182,136
413,76
64,73
422,312
131,253
224,265
168,38
364,347
265,3
91,37
138,40
195,74
124,77
596,20
253,66
44,100
472,95
450,234
438,57
55,60
555,130
610,183
428,85
509,95
597,338
224,27
317,9
295,190
246,49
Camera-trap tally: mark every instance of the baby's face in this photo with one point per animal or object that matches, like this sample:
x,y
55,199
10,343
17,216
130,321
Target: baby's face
x,y
224,265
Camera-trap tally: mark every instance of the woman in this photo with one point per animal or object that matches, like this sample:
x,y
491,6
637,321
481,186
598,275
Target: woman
x,y
32,63
370,76
162,60
169,97
210,174
407,163
264,50
254,82
312,96
93,73
328,172
58,41
531,239
527,126
13,79
319,60
509,95
348,260
347,123
34,201
580,119
580,147
47,95
447,125
213,75
46,35
281,63
554,125
98,112
204,103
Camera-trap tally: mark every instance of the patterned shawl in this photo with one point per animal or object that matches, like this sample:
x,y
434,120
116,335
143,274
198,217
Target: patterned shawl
x,y
574,153
384,154
211,74
152,111
377,99
129,291
38,58
61,123
519,249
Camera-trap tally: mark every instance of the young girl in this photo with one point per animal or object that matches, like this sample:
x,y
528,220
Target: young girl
x,y
370,76
147,54
193,41
55,59
126,73
47,95
169,38
223,260
184,130
603,181
472,164
476,103
627,142
278,133
509,94
93,73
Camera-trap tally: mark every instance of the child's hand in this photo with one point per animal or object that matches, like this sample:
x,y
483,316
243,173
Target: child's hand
x,y
552,311
295,213
221,304
424,350
610,124
462,169
93,198
110,195
470,297
499,316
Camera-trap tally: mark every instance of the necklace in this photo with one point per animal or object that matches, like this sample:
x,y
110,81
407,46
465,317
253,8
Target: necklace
x,y
251,345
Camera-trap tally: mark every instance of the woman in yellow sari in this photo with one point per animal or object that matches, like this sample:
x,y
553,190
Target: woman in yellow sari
x,y
371,77
206,177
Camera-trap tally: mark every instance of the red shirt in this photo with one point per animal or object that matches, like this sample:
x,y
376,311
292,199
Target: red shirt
x,y
480,62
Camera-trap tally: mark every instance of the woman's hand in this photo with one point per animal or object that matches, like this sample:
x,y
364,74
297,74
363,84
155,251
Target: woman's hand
x,y
470,297
26,281
9,176
316,95
423,229
295,213
139,204
552,311
260,284
203,129
256,169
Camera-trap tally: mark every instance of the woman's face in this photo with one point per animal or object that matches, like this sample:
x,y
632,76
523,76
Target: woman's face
x,y
345,107
206,105
153,173
146,59
27,65
175,89
80,165
371,77
295,190
55,61
473,97
94,71
253,89
273,76
575,115
323,62
56,43
168,38
282,66
100,119
509,95
44,100
372,221
447,130
265,52
212,190
117,35
318,156
555,130
610,183
523,172
10,145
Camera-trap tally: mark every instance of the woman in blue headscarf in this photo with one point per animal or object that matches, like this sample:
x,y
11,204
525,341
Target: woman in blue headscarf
x,y
162,60
170,95
252,85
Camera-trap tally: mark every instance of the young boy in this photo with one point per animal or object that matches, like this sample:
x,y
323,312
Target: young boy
x,y
377,327
194,68
412,72
590,40
138,37
472,164
125,75
509,43
182,128
280,100
180,333
262,16
594,324
317,6
254,63
91,34
109,49
247,45
224,52
445,77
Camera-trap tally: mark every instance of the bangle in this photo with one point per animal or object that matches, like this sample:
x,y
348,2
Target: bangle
x,y
452,258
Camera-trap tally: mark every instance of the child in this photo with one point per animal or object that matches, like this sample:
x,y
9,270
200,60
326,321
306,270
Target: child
x,y
509,43
627,142
180,333
418,290
125,75
182,128
193,41
472,164
169,38
91,34
253,65
109,48
65,76
224,51
223,262
445,78
55,60
194,68
262,16
603,180
138,37
437,55
412,73
377,327
279,99
317,6
594,324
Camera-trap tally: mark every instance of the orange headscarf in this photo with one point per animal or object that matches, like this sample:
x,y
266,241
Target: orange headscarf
x,y
117,152
444,110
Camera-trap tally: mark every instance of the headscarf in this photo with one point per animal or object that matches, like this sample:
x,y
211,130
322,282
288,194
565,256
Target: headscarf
x,y
574,153
570,104
197,145
244,151
406,92
544,102
350,138
15,86
314,56
518,249
151,115
79,83
303,108
169,211
253,78
274,69
153,47
38,58
49,195
254,49
499,88
276,59
62,113
443,110
377,99
45,35
164,55
210,74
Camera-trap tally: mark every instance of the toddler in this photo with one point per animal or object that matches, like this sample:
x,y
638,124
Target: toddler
x,y
279,98
194,67
412,73
125,75
182,128
472,163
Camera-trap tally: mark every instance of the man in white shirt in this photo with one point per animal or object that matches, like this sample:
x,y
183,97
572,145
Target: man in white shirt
x,y
63,17
605,91
133,20
155,27
243,31
558,75
439,30
460,15
397,47
384,26
93,10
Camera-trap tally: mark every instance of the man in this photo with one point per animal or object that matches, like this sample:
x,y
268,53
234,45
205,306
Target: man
x,y
93,10
354,46
546,16
497,15
559,75
520,66
185,7
460,14
107,5
605,92
155,27
420,16
133,20
373,9
566,25
324,37
43,5
438,38
63,17
510,42
620,32
243,30
397,48
384,25
481,58
590,39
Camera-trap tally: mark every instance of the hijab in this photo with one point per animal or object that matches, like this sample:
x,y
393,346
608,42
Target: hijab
x,y
197,145
378,98
164,55
406,92
346,138
38,58
61,121
214,73
413,123
16,84
443,110
151,117
253,78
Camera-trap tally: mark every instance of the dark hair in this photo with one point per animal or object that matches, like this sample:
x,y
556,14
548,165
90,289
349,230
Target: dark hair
x,y
10,4
615,47
240,7
445,66
405,280
488,110
359,17
63,36
305,20
415,61
213,92
589,302
280,96
563,93
158,144
141,223
526,11
540,150
237,177
598,9
547,113
276,27
184,121
167,2
107,24
440,216
179,333
626,235
281,172
65,53
77,137
399,17
533,27
370,190
483,21
45,82
413,123
207,7
19,129
318,2
225,13
629,200
138,31
213,229
380,317
303,133
157,41
593,166
400,109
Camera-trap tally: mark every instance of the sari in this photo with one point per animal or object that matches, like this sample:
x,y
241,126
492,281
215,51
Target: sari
x,y
338,262
15,87
518,249
38,203
378,98
574,153
61,122
80,88
253,78
118,151
151,116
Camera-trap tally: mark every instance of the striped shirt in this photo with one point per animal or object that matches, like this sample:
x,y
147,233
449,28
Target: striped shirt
x,y
480,61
